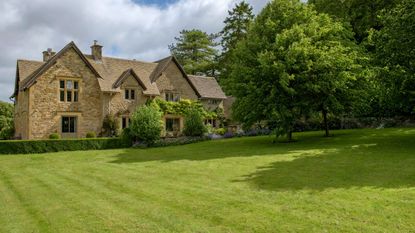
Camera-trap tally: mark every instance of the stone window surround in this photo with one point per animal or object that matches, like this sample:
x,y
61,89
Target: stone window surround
x,y
78,116
174,120
175,96
129,89
71,78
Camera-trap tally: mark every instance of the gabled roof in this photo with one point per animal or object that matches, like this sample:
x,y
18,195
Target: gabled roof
x,y
208,87
127,74
111,72
31,79
162,66
24,68
111,68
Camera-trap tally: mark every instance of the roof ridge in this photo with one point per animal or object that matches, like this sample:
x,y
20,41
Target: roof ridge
x,y
21,59
124,59
165,58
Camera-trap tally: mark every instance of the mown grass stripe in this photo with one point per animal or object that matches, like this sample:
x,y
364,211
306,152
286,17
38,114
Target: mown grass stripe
x,y
42,223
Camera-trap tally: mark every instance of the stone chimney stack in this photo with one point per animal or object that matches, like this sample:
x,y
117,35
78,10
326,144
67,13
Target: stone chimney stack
x,y
48,54
96,51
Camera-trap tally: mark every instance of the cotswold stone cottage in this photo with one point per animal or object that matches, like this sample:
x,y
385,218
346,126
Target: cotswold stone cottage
x,y
70,93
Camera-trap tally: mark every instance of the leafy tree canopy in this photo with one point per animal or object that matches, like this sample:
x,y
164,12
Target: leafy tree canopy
x,y
361,14
293,62
395,54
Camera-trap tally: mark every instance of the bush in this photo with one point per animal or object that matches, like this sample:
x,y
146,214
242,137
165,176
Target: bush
x,y
54,136
110,126
6,120
220,131
126,136
193,124
7,133
146,124
91,135
43,146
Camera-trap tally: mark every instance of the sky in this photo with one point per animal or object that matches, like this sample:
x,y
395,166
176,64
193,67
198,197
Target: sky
x,y
134,29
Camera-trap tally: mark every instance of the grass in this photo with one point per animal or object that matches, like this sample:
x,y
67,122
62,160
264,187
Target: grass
x,y
356,181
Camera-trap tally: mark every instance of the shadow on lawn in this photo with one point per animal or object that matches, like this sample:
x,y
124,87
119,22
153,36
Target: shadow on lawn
x,y
388,164
382,159
220,149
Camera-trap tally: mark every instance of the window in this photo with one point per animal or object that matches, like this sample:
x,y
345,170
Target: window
x,y
125,122
172,97
68,124
213,101
211,122
172,124
68,90
129,94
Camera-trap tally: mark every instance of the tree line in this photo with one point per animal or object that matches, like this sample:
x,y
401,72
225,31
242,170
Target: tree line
x,y
296,59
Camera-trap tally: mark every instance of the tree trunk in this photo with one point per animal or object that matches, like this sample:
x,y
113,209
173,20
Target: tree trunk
x,y
326,123
289,136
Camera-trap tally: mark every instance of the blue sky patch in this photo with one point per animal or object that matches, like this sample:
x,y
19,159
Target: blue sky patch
x,y
161,3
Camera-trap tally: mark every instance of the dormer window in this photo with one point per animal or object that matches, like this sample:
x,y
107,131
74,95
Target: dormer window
x,y
68,90
129,94
172,97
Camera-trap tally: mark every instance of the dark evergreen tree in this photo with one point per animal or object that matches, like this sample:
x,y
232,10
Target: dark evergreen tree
x,y
196,51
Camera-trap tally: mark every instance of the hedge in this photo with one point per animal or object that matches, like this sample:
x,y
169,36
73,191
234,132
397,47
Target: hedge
x,y
44,146
164,142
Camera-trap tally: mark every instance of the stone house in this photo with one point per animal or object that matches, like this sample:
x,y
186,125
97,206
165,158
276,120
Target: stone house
x,y
70,93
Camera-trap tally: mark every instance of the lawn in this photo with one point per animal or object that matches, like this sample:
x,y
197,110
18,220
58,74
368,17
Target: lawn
x,y
356,181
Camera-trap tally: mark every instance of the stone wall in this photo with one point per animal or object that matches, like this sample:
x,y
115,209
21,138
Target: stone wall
x,y
118,105
172,80
21,115
39,111
45,108
211,106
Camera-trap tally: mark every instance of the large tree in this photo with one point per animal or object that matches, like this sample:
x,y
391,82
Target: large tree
x,y
235,29
293,62
196,51
395,55
361,14
236,25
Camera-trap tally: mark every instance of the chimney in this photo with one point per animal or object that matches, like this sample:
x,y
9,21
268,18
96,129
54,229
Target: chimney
x,y
48,54
96,51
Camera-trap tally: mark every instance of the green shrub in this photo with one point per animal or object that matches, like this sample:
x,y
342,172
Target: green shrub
x,y
43,146
110,126
7,133
146,124
220,131
126,136
91,135
54,136
193,124
6,120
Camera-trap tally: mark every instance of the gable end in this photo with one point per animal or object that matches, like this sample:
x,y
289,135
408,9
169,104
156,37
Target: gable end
x,y
125,75
29,81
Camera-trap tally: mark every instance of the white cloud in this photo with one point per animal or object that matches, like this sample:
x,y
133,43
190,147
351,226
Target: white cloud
x,y
124,28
